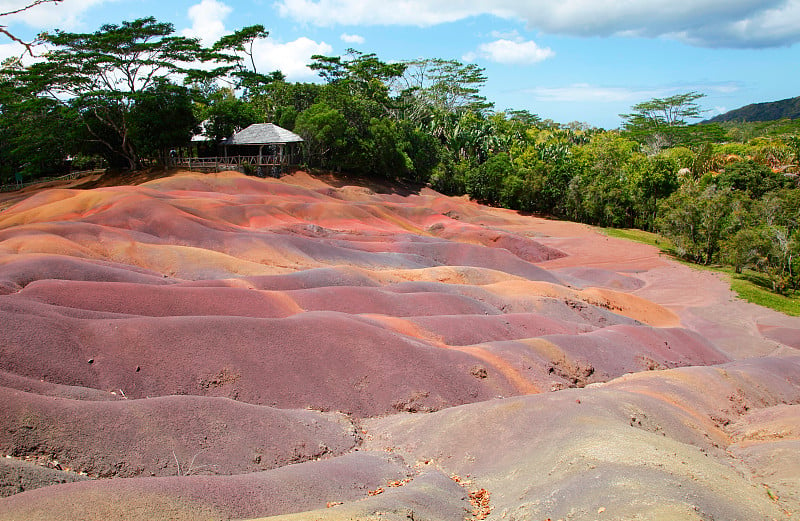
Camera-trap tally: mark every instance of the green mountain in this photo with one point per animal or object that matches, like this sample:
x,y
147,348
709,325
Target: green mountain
x,y
769,111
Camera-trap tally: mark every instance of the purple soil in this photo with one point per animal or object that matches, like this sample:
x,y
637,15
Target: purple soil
x,y
168,436
597,449
523,247
18,476
375,300
159,301
323,360
42,388
313,278
20,272
784,335
293,488
594,277
616,350
465,329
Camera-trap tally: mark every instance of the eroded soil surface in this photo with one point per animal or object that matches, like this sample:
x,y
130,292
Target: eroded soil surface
x,y
215,346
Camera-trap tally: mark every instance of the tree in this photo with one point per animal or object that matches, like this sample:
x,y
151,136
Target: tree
x,y
651,179
162,119
226,114
323,129
435,85
485,183
4,29
753,178
36,134
662,121
360,75
242,43
599,192
103,74
36,137
698,219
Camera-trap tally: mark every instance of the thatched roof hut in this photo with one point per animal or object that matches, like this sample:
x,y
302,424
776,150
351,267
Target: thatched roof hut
x,y
268,143
263,134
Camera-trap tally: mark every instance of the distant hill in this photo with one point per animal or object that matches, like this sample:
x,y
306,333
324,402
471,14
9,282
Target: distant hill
x,y
769,111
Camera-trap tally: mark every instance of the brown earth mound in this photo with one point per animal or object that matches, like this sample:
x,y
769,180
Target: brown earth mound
x,y
309,349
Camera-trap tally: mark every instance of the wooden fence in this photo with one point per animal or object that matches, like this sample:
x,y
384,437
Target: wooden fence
x,y
72,175
268,165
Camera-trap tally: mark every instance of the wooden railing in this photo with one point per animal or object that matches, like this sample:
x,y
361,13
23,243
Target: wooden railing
x,y
234,162
18,186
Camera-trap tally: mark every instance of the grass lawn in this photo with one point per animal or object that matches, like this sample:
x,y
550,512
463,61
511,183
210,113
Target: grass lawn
x,y
750,286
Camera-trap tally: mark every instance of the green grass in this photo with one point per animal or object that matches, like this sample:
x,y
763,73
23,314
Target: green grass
x,y
749,286
632,234
750,291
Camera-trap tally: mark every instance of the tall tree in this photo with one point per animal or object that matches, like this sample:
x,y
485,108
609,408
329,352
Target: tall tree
x,y
162,119
362,76
435,85
660,121
244,69
103,75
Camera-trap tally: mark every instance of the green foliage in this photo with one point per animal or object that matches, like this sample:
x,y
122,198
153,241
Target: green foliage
x,y
102,75
754,179
663,120
599,192
650,180
162,119
718,191
697,219
485,183
431,86
239,45
450,177
633,234
324,130
748,287
281,102
683,157
36,135
771,244
386,150
226,114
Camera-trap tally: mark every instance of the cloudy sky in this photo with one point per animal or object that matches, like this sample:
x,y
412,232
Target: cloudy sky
x,y
568,60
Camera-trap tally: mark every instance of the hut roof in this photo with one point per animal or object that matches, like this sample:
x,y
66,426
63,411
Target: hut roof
x,y
263,134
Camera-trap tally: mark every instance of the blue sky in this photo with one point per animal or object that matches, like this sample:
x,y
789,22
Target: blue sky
x,y
570,60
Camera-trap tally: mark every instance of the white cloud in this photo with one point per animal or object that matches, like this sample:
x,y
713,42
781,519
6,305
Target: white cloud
x,y
291,58
64,15
352,38
716,111
512,52
587,93
712,23
374,12
583,92
506,35
10,50
208,21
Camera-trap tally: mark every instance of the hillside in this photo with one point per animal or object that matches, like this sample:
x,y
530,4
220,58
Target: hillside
x,y
216,346
768,111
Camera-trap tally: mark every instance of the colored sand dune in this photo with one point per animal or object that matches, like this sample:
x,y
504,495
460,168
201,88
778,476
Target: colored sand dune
x,y
222,347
